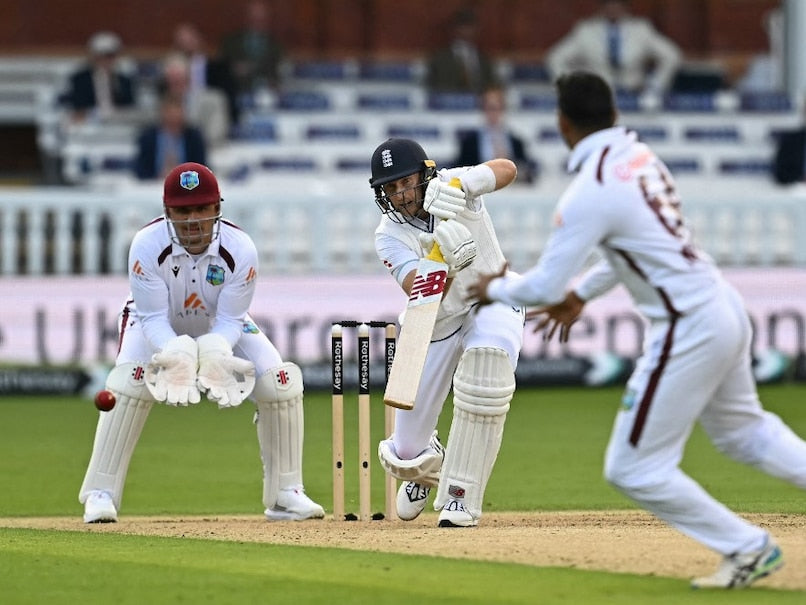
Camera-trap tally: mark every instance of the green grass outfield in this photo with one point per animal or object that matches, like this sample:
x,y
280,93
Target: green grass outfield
x,y
204,461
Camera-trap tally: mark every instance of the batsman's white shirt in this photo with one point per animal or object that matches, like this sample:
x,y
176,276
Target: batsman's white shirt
x,y
174,293
695,365
459,325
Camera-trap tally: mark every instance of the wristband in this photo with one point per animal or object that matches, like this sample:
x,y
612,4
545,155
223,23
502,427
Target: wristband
x,y
478,181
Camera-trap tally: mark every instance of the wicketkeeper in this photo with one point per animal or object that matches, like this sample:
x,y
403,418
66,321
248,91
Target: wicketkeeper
x,y
185,332
474,350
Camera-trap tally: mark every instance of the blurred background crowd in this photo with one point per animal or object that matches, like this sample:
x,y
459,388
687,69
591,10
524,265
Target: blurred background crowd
x,y
106,97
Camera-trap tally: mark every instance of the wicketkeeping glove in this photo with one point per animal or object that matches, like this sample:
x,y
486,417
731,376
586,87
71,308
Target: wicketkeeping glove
x,y
455,242
227,379
444,200
171,373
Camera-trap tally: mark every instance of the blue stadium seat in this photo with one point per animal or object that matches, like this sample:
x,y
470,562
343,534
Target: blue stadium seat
x,y
765,102
320,70
290,163
387,71
304,101
353,165
651,134
332,132
529,72
539,102
749,166
255,129
712,134
694,102
549,135
683,165
414,132
627,101
384,101
452,101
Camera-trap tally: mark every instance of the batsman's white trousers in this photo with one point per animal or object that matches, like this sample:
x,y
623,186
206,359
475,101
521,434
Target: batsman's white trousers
x,y
697,368
495,325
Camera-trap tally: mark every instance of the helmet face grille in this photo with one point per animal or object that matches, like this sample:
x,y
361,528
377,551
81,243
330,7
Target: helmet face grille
x,y
394,159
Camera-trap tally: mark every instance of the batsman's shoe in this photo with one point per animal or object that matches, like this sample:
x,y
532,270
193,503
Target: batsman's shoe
x,y
411,498
740,570
453,514
293,505
99,508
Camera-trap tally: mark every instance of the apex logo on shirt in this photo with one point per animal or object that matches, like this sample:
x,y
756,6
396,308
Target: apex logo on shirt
x,y
175,270
137,269
215,275
193,303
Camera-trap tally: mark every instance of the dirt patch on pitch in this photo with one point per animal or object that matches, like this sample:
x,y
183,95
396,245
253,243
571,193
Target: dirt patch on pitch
x,y
620,541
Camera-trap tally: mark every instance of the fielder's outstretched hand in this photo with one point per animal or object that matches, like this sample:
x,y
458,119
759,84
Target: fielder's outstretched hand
x,y
226,379
171,373
477,292
563,315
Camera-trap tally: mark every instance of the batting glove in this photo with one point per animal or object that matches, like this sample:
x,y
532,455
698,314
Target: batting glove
x,y
227,379
455,242
443,200
171,373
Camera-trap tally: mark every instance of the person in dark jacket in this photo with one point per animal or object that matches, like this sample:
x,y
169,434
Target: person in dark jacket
x,y
169,142
788,165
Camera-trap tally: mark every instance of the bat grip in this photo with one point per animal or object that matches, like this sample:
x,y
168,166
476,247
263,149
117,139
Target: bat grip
x,y
436,254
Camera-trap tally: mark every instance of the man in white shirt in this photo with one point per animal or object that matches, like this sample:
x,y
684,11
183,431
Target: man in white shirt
x,y
473,351
625,50
185,331
695,366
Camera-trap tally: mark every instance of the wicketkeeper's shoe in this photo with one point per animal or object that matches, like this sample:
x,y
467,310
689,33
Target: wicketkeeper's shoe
x,y
453,514
293,505
411,498
99,508
740,570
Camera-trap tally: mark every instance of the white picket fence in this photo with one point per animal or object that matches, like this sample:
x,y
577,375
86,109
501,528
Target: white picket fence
x,y
305,225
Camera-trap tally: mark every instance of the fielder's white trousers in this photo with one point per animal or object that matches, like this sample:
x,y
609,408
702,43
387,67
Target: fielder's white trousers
x,y
697,368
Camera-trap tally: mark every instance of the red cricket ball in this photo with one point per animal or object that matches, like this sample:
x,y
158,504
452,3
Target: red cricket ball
x,y
104,400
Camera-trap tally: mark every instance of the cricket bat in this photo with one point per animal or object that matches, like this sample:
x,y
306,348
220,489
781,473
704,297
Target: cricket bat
x,y
415,334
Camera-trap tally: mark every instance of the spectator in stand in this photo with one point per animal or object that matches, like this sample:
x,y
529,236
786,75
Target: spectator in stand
x,y
765,73
205,108
625,50
461,66
100,89
253,52
494,139
789,162
169,142
206,71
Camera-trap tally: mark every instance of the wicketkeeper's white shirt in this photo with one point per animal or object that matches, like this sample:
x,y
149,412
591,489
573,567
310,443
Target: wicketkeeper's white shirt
x,y
178,293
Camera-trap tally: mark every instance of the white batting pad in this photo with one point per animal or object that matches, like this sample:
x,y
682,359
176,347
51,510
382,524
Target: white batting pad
x,y
280,429
424,469
482,389
117,432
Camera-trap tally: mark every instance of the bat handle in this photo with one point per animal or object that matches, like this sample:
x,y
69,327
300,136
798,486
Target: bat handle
x,y
436,254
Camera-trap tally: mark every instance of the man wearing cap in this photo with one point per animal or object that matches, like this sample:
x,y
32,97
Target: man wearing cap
x,y
99,88
185,331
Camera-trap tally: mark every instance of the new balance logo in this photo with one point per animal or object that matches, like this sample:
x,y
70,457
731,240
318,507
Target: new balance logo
x,y
428,285
137,268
